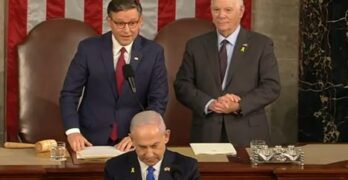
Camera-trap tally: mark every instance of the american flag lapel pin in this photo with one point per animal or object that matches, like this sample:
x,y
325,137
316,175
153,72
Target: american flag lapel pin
x,y
167,169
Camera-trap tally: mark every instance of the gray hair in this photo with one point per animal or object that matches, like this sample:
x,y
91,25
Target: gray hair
x,y
240,2
148,118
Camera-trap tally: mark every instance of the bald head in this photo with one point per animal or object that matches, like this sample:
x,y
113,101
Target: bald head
x,y
239,2
147,118
149,136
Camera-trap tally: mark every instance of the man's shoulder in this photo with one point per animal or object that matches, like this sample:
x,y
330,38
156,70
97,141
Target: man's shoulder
x,y
148,43
182,165
256,35
180,158
203,37
119,160
96,40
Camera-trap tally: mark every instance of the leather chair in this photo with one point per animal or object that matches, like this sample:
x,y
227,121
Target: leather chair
x,y
43,60
173,38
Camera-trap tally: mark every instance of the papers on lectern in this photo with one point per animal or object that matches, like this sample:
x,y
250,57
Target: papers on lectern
x,y
94,152
213,148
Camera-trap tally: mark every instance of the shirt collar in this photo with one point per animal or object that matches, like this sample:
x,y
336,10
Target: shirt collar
x,y
232,38
116,46
144,166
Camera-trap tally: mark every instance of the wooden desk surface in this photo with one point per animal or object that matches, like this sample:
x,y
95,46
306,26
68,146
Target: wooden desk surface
x,y
238,167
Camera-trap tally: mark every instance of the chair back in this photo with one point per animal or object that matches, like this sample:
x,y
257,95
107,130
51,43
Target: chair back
x,y
43,60
173,38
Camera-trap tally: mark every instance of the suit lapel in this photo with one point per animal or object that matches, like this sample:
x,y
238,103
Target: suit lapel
x,y
136,54
107,55
107,59
238,55
134,169
166,166
213,57
134,60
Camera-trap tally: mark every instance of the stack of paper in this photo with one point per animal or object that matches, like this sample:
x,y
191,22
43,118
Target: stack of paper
x,y
98,152
213,148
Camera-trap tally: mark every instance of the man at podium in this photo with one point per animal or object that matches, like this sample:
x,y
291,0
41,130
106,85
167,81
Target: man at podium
x,y
96,102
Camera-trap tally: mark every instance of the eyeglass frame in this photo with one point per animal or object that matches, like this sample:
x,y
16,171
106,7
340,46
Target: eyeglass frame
x,y
122,25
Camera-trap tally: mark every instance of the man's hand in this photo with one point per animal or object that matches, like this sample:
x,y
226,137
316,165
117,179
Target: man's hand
x,y
215,106
125,145
229,98
230,107
229,103
77,141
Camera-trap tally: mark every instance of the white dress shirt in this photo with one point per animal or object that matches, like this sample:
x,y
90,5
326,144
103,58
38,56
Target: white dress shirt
x,y
144,167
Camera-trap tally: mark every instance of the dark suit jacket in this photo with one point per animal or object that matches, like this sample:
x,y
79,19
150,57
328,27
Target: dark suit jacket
x,y
92,71
253,75
174,166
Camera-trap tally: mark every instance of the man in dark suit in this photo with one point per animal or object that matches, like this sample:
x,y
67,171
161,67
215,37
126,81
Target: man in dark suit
x,y
96,73
227,77
150,160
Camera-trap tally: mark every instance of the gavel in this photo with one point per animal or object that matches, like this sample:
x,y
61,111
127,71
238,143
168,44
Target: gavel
x,y
40,146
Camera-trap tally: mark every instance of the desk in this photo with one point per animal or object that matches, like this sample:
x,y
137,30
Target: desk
x,y
238,167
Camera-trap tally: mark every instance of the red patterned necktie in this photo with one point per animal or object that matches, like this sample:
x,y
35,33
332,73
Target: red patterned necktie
x,y
119,71
113,135
119,82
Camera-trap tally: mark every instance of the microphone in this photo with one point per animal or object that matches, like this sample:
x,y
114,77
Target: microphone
x,y
128,74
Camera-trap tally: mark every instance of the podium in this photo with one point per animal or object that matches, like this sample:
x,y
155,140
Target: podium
x,y
236,167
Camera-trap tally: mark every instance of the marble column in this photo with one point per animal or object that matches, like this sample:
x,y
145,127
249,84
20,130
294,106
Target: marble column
x,y
323,71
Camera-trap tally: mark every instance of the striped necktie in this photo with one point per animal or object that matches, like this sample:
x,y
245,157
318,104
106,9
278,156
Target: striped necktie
x,y
223,59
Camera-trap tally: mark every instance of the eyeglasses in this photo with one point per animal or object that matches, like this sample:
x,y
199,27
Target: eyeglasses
x,y
122,25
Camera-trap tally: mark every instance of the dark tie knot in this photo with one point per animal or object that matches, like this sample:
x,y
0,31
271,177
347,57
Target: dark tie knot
x,y
150,169
123,50
223,43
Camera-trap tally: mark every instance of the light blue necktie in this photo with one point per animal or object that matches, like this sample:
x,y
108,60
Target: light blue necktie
x,y
150,175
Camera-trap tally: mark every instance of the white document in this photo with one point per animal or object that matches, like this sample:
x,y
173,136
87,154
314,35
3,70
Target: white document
x,y
213,148
94,152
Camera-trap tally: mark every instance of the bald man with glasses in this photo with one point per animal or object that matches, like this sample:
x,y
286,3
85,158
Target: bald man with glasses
x,y
96,102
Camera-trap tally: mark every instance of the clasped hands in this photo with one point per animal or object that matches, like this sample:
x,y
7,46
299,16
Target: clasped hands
x,y
228,103
78,142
